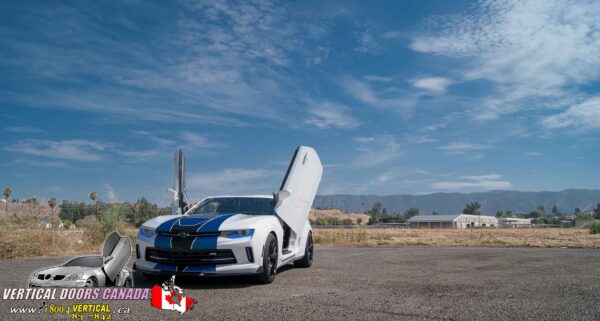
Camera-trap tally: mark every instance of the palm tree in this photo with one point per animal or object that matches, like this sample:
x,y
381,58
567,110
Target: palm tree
x,y
7,193
94,197
52,204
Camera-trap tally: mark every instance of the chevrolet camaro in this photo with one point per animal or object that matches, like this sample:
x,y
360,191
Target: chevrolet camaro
x,y
237,235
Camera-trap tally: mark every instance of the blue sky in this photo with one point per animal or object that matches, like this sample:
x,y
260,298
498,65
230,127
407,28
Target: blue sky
x,y
397,97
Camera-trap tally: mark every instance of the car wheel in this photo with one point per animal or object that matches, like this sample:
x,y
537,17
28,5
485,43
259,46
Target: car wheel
x,y
307,260
271,254
91,283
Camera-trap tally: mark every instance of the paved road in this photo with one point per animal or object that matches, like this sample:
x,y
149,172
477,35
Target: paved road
x,y
386,284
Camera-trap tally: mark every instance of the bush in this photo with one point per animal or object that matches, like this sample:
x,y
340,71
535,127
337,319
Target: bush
x,y
595,228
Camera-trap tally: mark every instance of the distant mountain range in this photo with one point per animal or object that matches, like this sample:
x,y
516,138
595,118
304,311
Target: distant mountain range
x,y
451,203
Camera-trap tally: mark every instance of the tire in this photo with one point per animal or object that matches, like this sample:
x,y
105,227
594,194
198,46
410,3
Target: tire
x,y
269,267
91,283
307,260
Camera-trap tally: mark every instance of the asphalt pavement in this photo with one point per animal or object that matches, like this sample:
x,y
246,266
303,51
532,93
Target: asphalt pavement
x,y
416,283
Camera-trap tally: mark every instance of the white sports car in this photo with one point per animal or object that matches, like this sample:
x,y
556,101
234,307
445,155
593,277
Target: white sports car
x,y
103,270
233,235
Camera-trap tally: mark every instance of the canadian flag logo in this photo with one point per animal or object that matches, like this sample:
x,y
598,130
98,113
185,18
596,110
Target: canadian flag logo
x,y
169,296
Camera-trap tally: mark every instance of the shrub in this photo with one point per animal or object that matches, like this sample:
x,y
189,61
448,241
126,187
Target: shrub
x,y
595,228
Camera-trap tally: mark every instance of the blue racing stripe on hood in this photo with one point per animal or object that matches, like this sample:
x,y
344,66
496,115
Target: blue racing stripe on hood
x,y
210,242
166,225
214,224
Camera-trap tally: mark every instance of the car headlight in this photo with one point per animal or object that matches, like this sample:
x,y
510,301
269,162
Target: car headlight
x,y
237,234
147,232
74,276
34,275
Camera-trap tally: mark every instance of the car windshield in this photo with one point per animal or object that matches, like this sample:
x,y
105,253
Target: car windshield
x,y
88,261
229,205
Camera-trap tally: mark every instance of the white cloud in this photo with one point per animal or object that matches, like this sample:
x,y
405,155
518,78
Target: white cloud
x,y
195,140
488,177
379,98
378,78
214,56
375,150
391,35
424,139
76,149
49,164
25,130
233,181
534,154
367,42
582,116
476,182
328,114
536,54
461,147
434,84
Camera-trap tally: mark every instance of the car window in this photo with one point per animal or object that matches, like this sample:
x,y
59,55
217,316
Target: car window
x,y
88,261
229,205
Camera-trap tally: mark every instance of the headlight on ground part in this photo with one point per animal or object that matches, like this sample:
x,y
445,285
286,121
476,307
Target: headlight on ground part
x,y
237,234
74,276
147,232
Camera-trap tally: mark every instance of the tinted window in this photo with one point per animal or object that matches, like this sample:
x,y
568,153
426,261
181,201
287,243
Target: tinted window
x,y
89,261
230,205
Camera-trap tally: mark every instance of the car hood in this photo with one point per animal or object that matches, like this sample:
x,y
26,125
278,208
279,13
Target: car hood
x,y
65,270
195,223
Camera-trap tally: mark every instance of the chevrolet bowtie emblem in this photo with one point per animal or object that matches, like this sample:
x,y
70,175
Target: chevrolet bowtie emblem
x,y
183,234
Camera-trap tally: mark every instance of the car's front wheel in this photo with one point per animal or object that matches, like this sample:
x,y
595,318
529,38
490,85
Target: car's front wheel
x,y
307,260
269,267
91,283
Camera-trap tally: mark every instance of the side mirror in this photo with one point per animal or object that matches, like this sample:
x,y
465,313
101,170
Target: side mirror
x,y
171,193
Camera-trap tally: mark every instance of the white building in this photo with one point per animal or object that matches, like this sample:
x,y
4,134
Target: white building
x,y
452,221
514,222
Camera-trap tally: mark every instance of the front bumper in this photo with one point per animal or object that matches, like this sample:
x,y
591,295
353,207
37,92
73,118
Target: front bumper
x,y
248,260
36,283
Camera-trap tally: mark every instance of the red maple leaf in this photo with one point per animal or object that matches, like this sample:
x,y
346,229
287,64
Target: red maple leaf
x,y
169,298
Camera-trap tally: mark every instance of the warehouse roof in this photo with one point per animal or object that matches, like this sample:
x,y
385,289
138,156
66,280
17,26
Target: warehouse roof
x,y
434,218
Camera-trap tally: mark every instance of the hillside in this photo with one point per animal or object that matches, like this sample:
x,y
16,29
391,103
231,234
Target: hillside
x,y
449,203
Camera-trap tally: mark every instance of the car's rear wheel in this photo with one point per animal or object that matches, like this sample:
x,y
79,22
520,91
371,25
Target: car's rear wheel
x,y
91,283
271,254
307,260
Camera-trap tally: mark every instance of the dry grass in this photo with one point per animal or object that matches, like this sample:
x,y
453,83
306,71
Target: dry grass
x,y
25,238
525,237
315,213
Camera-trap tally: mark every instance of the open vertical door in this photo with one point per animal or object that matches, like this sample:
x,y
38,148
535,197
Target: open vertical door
x,y
115,254
298,189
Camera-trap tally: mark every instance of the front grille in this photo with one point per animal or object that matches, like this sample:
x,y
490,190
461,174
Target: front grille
x,y
190,257
40,276
59,277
